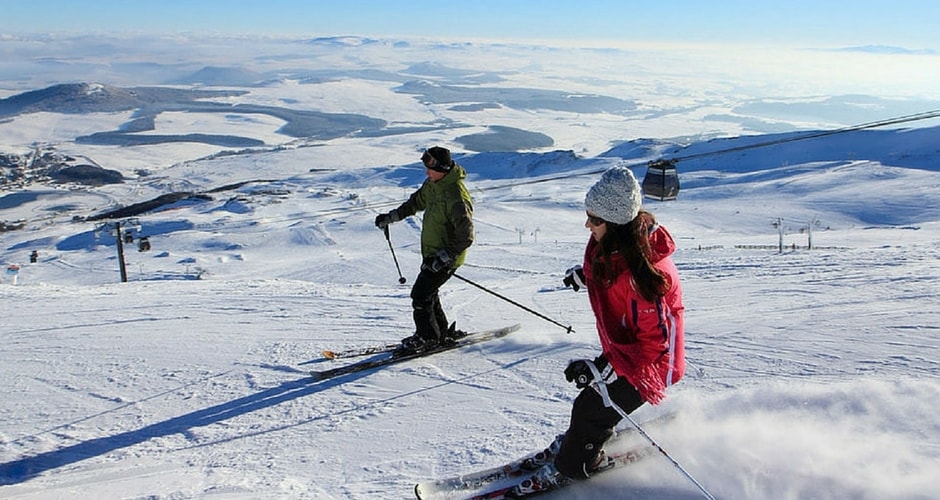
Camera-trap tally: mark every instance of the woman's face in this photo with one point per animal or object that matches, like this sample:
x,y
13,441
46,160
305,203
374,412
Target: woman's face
x,y
596,225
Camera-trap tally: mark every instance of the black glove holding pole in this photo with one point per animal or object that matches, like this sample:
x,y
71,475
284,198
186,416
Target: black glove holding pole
x,y
579,371
574,278
382,221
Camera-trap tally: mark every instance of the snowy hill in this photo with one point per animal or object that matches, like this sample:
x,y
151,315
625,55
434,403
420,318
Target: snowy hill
x,y
814,373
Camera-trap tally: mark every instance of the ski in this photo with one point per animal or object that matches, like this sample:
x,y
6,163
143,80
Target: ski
x,y
469,339
507,487
614,461
366,351
360,351
451,486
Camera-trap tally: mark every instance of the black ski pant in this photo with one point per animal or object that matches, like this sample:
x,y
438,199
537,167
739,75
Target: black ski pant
x,y
591,425
430,320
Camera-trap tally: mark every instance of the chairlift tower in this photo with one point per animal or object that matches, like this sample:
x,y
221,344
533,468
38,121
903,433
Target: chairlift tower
x,y
119,230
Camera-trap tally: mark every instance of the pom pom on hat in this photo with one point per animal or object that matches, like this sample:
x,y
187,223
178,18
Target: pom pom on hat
x,y
615,197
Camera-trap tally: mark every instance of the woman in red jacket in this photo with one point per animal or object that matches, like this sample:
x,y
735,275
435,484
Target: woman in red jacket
x,y
634,291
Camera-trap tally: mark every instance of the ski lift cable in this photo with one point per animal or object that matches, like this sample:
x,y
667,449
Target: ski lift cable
x,y
662,180
880,123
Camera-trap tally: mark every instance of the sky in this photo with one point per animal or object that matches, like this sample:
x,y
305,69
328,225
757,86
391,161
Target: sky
x,y
905,23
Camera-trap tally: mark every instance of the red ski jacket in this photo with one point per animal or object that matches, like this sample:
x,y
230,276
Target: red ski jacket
x,y
642,340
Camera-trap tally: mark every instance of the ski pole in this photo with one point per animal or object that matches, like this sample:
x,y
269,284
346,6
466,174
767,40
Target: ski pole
x,y
401,279
568,328
601,387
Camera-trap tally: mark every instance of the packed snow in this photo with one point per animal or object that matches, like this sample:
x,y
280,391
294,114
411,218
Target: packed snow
x,y
813,372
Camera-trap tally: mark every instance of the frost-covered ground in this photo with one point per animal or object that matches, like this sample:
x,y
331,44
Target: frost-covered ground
x,y
813,373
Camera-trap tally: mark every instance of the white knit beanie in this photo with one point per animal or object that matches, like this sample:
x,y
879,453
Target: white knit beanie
x,y
615,197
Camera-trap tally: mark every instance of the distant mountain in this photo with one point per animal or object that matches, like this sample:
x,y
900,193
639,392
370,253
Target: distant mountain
x,y
214,75
77,98
351,41
72,98
886,49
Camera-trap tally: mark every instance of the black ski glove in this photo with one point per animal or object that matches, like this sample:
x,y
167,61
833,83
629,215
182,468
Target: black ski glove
x,y
383,220
579,371
574,277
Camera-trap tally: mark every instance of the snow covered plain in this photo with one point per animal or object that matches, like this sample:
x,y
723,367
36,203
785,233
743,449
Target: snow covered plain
x,y
813,373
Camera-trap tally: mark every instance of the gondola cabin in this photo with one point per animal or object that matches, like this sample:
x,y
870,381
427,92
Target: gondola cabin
x,y
661,181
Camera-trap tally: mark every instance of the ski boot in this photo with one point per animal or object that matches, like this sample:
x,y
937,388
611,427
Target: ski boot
x,y
545,456
414,344
452,335
601,463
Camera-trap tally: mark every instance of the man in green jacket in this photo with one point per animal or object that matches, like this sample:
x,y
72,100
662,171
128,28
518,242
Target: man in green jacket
x,y
446,234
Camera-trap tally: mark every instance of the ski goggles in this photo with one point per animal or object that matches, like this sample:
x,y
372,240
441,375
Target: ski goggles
x,y
595,220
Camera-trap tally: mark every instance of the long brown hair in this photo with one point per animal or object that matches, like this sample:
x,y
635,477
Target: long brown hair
x,y
630,240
